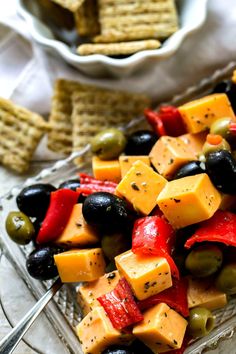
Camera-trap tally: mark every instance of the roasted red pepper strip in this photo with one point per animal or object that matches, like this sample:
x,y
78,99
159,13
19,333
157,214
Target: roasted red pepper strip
x,y
221,227
58,213
153,235
120,306
155,121
175,297
89,185
183,347
167,121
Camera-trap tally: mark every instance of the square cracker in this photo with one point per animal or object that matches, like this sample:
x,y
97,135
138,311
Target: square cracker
x,y
71,5
122,48
60,135
86,19
125,20
21,131
93,111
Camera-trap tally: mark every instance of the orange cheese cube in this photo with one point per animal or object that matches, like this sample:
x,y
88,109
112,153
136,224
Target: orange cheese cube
x,y
89,292
147,275
162,329
198,115
201,292
96,332
194,142
141,186
169,154
80,265
126,162
77,232
234,77
106,170
189,200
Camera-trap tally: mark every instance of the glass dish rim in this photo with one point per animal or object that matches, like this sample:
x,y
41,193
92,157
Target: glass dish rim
x,y
61,325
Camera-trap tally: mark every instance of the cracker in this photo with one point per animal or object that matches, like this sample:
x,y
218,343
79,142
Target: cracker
x,y
21,131
93,111
122,48
60,135
86,19
128,20
71,5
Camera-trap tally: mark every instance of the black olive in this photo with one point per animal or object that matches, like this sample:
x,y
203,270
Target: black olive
x,y
190,169
228,87
140,142
106,211
221,168
70,184
40,263
118,349
34,200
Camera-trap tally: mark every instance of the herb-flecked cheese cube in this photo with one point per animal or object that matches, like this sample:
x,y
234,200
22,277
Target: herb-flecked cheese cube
x,y
126,162
202,292
89,292
194,142
79,265
189,200
96,332
77,232
147,275
141,186
106,170
169,154
198,115
162,329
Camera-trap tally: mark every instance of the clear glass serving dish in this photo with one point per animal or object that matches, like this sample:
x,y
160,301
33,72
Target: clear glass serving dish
x,y
54,331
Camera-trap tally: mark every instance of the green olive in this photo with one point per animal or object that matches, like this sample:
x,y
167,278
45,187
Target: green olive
x,y
226,280
201,322
108,144
19,227
113,245
208,148
204,260
221,127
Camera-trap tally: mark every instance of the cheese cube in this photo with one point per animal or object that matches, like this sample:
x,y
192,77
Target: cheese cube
x,y
106,170
77,232
189,200
96,332
194,142
147,275
198,115
80,265
126,162
162,329
141,186
89,292
169,154
201,292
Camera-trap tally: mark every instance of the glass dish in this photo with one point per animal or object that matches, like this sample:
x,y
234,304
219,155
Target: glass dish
x,y
63,312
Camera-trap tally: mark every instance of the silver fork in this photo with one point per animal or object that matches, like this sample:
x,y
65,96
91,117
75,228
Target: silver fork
x,y
11,340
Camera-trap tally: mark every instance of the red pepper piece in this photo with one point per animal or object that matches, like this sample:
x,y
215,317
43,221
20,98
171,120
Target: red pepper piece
x,y
167,121
89,185
175,297
153,235
183,347
221,227
58,214
155,121
232,128
120,305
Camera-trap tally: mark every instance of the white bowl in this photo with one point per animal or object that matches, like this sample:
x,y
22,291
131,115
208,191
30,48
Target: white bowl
x,y
192,14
